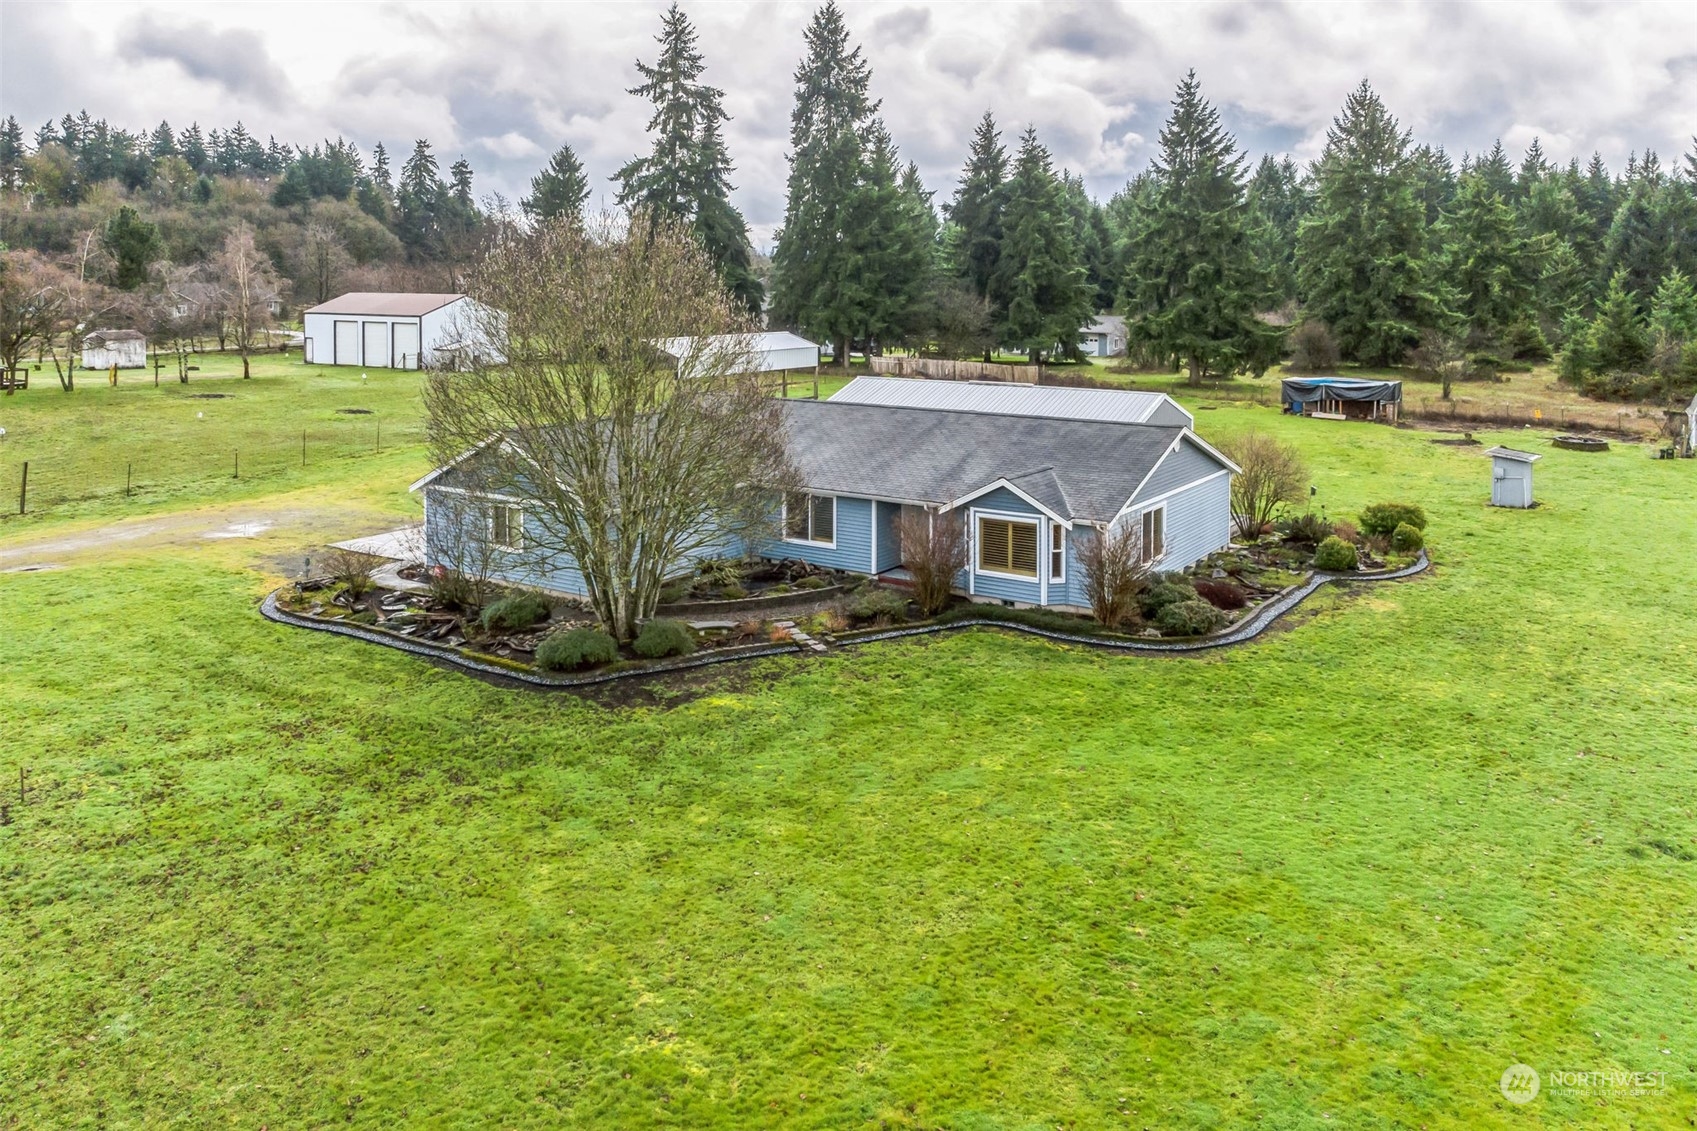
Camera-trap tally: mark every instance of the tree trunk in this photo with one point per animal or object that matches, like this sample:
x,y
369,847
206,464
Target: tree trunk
x,y
1195,366
245,373
841,345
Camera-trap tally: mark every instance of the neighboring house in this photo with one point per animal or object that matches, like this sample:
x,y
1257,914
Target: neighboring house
x,y
1061,402
774,351
1030,489
102,349
1104,337
377,330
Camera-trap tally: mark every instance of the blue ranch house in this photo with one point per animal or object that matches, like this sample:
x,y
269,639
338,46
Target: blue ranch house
x,y
1032,472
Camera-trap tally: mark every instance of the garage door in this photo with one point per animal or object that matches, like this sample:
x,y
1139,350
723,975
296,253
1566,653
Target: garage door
x,y
406,345
376,345
347,343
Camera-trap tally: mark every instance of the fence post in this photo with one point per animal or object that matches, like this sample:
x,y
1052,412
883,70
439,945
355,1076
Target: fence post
x,y
238,472
128,467
303,447
23,488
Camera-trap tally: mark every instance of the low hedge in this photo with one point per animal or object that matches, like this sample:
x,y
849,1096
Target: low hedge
x,y
1384,518
517,610
1158,597
1189,618
661,637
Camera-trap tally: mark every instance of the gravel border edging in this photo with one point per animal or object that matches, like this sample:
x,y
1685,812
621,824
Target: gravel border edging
x,y
1240,633
269,610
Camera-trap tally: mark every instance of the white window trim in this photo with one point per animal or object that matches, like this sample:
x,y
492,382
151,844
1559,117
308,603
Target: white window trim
x,y
1008,516
785,519
512,548
1155,559
1049,555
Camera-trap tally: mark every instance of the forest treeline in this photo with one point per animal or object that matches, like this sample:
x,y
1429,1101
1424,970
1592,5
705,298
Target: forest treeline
x,y
1384,251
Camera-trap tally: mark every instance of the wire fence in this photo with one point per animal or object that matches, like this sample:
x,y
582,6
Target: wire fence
x,y
154,470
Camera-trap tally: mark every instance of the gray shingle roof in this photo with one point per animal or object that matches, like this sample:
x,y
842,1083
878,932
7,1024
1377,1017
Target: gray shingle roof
x,y
1080,469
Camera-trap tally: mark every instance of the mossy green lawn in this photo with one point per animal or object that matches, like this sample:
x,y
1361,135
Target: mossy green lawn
x,y
1342,877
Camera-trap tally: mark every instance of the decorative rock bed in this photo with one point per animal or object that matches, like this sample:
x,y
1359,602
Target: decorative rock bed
x,y
1580,443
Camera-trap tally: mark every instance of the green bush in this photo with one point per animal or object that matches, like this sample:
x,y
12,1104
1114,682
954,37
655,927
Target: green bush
x,y
576,648
1154,599
732,593
879,603
517,610
1335,555
673,592
661,637
1051,619
778,590
1383,518
812,583
1307,529
1189,618
1406,539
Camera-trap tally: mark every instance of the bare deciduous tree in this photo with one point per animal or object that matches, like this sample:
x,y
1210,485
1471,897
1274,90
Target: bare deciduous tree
x,y
629,463
1442,356
321,263
934,552
1114,572
84,302
249,287
1273,474
31,295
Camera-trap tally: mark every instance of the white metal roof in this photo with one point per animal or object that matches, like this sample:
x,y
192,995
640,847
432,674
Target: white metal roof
x,y
770,350
1057,402
1512,453
385,304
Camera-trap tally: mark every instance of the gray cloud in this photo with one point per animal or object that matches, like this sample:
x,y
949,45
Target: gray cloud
x,y
234,58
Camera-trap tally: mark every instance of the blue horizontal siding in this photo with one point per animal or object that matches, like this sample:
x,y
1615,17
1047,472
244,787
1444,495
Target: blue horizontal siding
x,y
853,549
1185,464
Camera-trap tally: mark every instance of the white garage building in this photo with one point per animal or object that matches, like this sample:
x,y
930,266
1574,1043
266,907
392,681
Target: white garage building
x,y
387,330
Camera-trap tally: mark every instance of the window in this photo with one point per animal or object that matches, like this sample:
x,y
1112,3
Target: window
x,y
1007,546
1057,552
810,518
506,526
1154,534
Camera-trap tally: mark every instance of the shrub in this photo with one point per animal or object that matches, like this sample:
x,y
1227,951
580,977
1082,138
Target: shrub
x,y
812,582
934,550
1312,348
450,588
516,610
1335,555
720,571
780,589
1052,620
1221,594
1273,474
1160,596
1189,618
732,593
1113,572
1406,539
1524,341
673,592
879,603
1347,531
1305,529
353,569
661,637
576,648
1382,518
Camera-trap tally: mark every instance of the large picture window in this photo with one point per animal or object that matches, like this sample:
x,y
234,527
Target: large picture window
x,y
1007,546
810,518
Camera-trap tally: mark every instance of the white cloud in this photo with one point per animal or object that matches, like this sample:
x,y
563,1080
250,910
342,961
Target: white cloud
x,y
506,85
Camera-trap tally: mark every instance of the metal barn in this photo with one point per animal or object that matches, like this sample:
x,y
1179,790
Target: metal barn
x,y
378,330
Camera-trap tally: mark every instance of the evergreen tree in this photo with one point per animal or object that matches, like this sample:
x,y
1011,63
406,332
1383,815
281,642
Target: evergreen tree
x,y
1037,266
1534,167
1485,259
418,202
133,244
1564,284
890,242
1673,312
686,175
814,274
1496,171
162,142
459,176
1277,203
558,190
1192,284
1619,341
1094,242
194,148
11,153
1363,259
976,210
376,193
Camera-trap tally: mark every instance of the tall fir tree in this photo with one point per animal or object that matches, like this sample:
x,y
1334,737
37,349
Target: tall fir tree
x,y
1363,258
1038,268
1485,259
418,200
814,273
1619,340
976,210
558,190
1278,200
1192,283
11,153
1673,311
686,175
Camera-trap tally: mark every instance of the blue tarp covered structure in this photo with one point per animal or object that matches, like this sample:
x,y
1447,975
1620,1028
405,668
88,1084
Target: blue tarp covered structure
x,y
1358,397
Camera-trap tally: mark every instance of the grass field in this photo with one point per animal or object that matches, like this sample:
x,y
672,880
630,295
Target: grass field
x,y
1343,877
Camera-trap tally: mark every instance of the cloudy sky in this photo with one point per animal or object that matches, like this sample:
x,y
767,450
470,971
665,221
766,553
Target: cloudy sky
x,y
505,84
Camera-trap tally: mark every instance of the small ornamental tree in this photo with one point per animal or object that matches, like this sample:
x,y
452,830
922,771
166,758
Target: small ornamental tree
x,y
1114,573
1273,474
934,553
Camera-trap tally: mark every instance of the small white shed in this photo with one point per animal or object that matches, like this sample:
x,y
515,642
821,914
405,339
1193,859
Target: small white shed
x,y
127,349
1511,477
390,330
